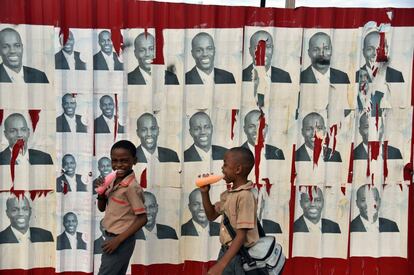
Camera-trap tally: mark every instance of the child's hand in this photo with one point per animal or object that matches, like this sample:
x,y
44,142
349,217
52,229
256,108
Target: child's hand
x,y
98,182
205,188
111,245
216,269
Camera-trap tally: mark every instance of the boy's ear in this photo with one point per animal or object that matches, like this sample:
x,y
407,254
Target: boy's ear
x,y
239,169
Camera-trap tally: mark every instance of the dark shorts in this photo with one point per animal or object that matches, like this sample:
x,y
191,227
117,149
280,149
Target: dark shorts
x,y
117,262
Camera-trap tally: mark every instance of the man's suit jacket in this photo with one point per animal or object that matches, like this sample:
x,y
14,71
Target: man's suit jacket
x,y
62,124
361,153
80,186
136,78
63,242
188,229
99,62
220,77
271,152
37,235
36,157
164,155
30,75
276,75
101,127
391,75
336,76
385,225
302,155
62,64
163,232
97,245
328,226
271,226
191,153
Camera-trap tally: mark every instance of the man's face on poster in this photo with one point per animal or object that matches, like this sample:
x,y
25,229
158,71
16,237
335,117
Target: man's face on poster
x,y
11,49
312,208
203,52
19,212
105,42
201,130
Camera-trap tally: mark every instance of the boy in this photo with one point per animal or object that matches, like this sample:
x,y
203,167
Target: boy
x,y
240,206
125,211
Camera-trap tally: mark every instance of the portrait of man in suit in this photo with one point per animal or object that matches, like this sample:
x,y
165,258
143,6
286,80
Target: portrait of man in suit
x,y
154,230
67,58
275,74
250,127
106,59
12,69
69,121
70,238
19,211
361,151
97,244
320,71
148,132
203,52
198,225
369,50
313,125
368,201
201,130
271,227
69,180
105,123
104,168
144,50
311,220
15,128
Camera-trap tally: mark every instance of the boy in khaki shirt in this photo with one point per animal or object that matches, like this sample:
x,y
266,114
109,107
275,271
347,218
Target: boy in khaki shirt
x,y
240,206
123,203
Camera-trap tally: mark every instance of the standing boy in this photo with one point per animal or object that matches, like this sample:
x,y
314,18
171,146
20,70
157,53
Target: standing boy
x,y
239,205
123,203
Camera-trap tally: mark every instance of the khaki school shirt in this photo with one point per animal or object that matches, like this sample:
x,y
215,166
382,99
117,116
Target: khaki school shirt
x,y
240,207
125,201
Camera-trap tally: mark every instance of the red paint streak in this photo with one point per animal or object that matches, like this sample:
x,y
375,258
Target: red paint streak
x,y
351,164
65,188
18,193
408,172
74,95
1,116
381,53
374,147
259,146
385,157
64,31
310,192
343,189
17,148
116,117
317,148
374,71
260,53
333,129
234,113
268,185
38,193
143,178
292,200
117,39
34,116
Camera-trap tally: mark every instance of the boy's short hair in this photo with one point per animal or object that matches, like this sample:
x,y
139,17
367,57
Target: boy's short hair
x,y
246,158
127,145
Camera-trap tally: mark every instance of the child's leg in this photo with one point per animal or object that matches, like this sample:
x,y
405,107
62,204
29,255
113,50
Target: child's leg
x,y
235,265
118,261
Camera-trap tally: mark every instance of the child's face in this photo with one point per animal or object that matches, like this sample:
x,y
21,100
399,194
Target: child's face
x,y
122,161
229,167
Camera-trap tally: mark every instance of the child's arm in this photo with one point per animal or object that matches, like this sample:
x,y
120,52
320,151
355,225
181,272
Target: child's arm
x,y
111,245
234,248
102,199
211,212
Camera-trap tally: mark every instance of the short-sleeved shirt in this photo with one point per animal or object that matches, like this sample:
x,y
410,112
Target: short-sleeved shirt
x,y
125,201
240,206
